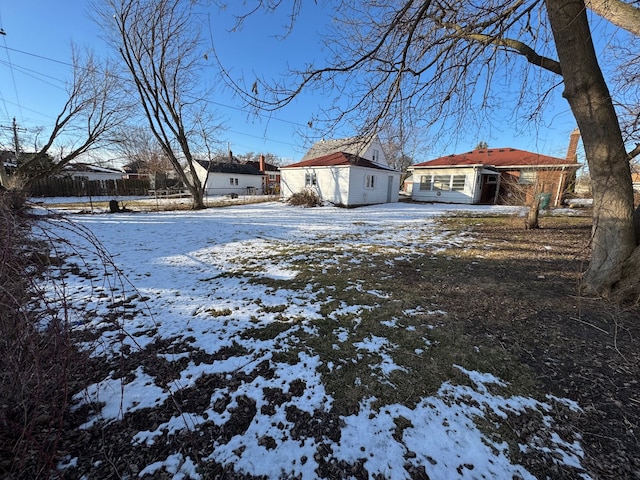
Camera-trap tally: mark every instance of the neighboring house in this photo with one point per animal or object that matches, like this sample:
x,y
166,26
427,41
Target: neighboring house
x,y
407,184
495,176
271,178
136,169
369,148
86,171
343,179
8,161
635,178
229,178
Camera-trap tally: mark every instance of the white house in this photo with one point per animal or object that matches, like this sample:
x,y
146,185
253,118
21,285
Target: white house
x,y
343,179
369,148
496,175
229,178
493,176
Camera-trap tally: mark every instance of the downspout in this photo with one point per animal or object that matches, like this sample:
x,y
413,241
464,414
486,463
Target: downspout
x,y
560,187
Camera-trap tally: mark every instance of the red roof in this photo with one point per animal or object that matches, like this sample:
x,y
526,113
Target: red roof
x,y
497,157
335,160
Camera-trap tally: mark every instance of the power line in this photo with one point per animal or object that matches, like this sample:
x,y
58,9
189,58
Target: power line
x,y
231,107
13,78
44,79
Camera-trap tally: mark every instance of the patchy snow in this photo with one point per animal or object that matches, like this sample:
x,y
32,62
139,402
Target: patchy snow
x,y
203,281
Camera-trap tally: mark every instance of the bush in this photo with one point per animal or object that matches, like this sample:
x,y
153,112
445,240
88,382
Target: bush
x,y
305,198
37,359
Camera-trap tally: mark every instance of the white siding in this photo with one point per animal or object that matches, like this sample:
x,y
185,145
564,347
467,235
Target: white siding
x,y
92,176
220,184
343,185
331,183
375,153
361,193
439,192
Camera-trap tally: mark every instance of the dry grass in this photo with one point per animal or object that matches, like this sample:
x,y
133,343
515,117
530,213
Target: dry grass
x,y
505,303
152,204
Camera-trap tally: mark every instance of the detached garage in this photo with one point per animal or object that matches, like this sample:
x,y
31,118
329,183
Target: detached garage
x,y
342,179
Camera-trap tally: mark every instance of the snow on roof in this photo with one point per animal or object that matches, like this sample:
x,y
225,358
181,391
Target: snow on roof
x,y
87,167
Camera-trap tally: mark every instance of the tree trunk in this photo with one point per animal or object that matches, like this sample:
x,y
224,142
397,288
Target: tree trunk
x,y
531,222
613,239
197,197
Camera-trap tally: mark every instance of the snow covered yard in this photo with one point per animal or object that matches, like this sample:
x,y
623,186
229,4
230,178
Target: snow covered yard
x,y
280,342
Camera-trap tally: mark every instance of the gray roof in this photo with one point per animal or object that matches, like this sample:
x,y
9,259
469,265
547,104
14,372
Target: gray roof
x,y
235,168
352,145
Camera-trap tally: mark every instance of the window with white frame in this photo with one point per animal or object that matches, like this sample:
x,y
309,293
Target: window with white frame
x,y
233,181
527,176
441,182
425,182
369,181
454,183
310,179
458,183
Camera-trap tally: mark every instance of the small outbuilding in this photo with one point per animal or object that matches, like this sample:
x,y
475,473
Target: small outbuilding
x,y
348,172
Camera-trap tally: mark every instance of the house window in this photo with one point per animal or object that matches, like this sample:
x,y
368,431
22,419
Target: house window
x,y
441,182
272,177
310,179
425,182
527,176
458,182
233,181
376,155
369,181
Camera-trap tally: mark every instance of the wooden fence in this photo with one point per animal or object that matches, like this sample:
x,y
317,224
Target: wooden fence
x,y
70,187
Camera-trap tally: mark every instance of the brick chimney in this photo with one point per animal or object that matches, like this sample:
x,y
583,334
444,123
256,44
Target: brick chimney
x,y
574,138
263,166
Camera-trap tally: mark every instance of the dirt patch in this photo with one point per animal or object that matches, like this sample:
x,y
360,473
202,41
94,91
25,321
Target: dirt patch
x,y
523,291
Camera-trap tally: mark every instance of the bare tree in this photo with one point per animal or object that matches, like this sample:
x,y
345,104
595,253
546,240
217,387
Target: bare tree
x,y
270,158
437,64
94,108
142,151
159,43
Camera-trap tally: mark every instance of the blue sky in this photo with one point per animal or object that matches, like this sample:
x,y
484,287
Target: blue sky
x,y
34,63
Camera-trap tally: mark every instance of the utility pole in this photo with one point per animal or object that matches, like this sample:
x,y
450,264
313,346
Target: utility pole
x,y
16,150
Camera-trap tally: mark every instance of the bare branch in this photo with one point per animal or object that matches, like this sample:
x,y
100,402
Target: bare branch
x,y
159,44
635,152
619,13
95,107
512,45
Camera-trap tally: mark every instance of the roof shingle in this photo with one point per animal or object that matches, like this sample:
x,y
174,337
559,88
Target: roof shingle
x,y
336,159
497,157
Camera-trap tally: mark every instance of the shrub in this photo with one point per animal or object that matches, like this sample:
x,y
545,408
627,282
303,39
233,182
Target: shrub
x,y
37,359
305,198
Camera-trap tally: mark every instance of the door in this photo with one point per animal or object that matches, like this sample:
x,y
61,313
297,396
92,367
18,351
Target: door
x,y
389,188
